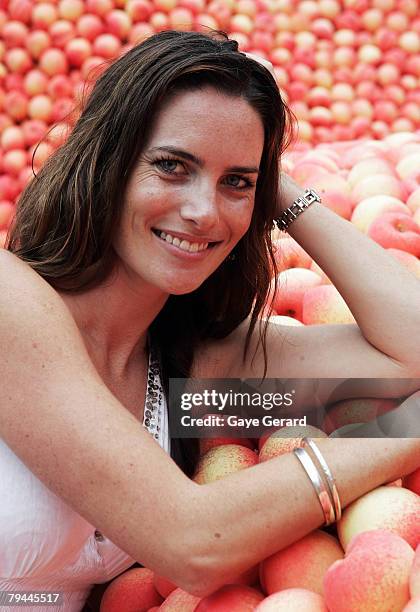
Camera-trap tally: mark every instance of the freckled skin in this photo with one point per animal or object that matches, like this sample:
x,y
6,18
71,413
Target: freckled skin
x,y
192,200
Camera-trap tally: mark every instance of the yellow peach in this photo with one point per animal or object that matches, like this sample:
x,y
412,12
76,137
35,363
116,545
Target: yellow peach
x,y
221,461
393,508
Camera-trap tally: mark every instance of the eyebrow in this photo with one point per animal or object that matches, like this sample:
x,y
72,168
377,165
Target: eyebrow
x,y
200,163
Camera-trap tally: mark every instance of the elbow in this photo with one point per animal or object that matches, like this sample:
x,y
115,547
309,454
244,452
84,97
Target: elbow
x,y
199,581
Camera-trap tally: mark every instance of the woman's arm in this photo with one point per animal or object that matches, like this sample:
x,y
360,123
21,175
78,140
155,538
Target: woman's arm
x,y
382,295
75,436
252,514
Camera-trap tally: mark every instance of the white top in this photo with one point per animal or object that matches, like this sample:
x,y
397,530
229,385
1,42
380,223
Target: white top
x,y
47,546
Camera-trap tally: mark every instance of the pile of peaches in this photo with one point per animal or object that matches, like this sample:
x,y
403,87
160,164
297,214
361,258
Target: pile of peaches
x,y
369,561
375,185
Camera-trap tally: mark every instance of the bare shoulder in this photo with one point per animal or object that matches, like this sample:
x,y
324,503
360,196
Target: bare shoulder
x,y
34,317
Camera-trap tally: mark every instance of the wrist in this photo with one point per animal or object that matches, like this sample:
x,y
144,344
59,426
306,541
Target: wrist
x,y
301,203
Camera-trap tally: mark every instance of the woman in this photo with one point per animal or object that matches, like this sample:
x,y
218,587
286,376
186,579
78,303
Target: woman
x,y
142,252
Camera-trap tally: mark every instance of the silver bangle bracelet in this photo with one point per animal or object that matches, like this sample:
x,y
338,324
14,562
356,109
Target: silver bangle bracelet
x,y
328,475
318,484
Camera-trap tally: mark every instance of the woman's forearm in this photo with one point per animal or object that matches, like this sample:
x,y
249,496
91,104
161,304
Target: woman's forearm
x,y
382,295
247,516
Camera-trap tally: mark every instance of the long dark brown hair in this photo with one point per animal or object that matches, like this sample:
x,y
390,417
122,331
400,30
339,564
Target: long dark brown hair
x,y
67,215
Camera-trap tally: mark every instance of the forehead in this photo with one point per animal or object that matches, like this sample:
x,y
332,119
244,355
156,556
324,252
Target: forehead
x,y
206,119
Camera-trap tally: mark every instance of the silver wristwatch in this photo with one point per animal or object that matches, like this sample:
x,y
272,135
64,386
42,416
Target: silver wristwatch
x,y
299,205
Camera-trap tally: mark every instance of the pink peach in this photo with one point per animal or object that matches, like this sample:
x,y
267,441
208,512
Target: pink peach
x,y
378,184
289,254
132,590
302,564
291,287
231,598
393,508
374,575
371,208
396,230
367,167
335,193
296,600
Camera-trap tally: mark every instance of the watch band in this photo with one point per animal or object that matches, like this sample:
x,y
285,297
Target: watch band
x,y
299,205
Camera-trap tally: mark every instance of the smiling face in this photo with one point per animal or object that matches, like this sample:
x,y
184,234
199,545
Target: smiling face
x,y
195,182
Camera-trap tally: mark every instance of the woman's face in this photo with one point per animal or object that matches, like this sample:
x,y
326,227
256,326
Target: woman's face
x,y
195,182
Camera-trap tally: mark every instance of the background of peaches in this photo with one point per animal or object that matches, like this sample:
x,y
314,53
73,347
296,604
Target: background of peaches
x,y
350,71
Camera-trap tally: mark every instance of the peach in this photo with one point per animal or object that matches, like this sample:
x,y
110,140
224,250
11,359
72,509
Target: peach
x,y
296,600
207,443
302,564
378,184
393,508
356,410
291,287
367,167
412,481
289,254
180,601
133,590
223,460
371,208
407,165
231,598
396,230
413,201
335,193
373,576
284,440
163,586
324,304
415,575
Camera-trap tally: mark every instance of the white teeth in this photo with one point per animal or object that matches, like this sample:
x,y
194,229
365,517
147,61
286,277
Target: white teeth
x,y
184,245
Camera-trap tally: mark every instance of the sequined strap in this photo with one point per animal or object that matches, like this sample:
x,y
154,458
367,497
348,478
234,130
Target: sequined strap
x,y
153,410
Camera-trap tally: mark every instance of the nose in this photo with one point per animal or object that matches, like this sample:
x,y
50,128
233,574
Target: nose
x,y
201,206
